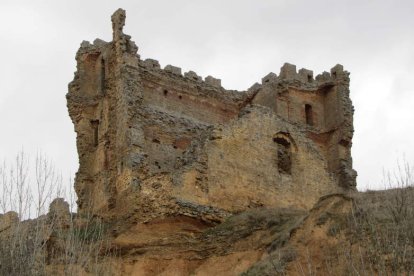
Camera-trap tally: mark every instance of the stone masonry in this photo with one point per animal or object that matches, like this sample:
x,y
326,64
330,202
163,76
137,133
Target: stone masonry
x,y
155,142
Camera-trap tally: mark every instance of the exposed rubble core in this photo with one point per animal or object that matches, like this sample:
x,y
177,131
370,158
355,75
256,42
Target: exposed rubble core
x,y
156,142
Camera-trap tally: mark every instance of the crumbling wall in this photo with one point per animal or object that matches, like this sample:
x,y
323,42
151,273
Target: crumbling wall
x,y
153,142
321,106
262,160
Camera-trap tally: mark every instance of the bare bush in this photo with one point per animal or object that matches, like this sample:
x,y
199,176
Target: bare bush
x,y
384,222
5,189
56,237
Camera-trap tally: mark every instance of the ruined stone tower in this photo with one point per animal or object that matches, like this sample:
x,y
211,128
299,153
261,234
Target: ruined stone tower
x,y
154,142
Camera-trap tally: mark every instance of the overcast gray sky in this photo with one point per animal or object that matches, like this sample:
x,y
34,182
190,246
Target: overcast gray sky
x,y
238,41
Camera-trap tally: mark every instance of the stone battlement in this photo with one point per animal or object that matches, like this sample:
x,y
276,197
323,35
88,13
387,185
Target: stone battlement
x,y
287,72
152,64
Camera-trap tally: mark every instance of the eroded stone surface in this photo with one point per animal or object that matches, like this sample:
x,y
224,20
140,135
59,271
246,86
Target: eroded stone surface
x,y
153,143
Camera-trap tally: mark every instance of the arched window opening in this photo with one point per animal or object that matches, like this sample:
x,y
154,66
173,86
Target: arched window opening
x,y
309,114
284,155
95,128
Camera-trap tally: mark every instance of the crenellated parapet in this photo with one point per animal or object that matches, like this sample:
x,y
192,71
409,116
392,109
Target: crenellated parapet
x,y
152,64
303,76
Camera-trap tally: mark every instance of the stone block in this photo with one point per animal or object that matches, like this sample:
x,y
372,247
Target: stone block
x,y
269,77
213,81
288,71
193,76
85,44
325,76
337,70
152,63
173,70
305,75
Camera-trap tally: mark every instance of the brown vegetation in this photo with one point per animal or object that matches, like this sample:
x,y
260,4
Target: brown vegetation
x,y
360,234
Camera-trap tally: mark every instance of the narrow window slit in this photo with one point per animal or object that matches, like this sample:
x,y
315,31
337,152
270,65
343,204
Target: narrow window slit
x,y
103,76
309,114
95,128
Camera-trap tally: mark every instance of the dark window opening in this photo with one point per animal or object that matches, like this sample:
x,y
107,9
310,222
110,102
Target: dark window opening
x,y
95,127
309,78
180,97
284,155
309,114
165,92
103,76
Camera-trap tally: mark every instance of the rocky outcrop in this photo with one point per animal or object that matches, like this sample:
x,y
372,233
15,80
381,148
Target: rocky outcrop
x,y
366,233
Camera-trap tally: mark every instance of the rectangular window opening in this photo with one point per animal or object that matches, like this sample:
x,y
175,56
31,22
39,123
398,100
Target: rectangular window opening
x,y
103,76
309,114
95,127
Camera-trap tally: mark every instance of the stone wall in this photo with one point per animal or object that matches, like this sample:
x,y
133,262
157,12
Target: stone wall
x,y
154,142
